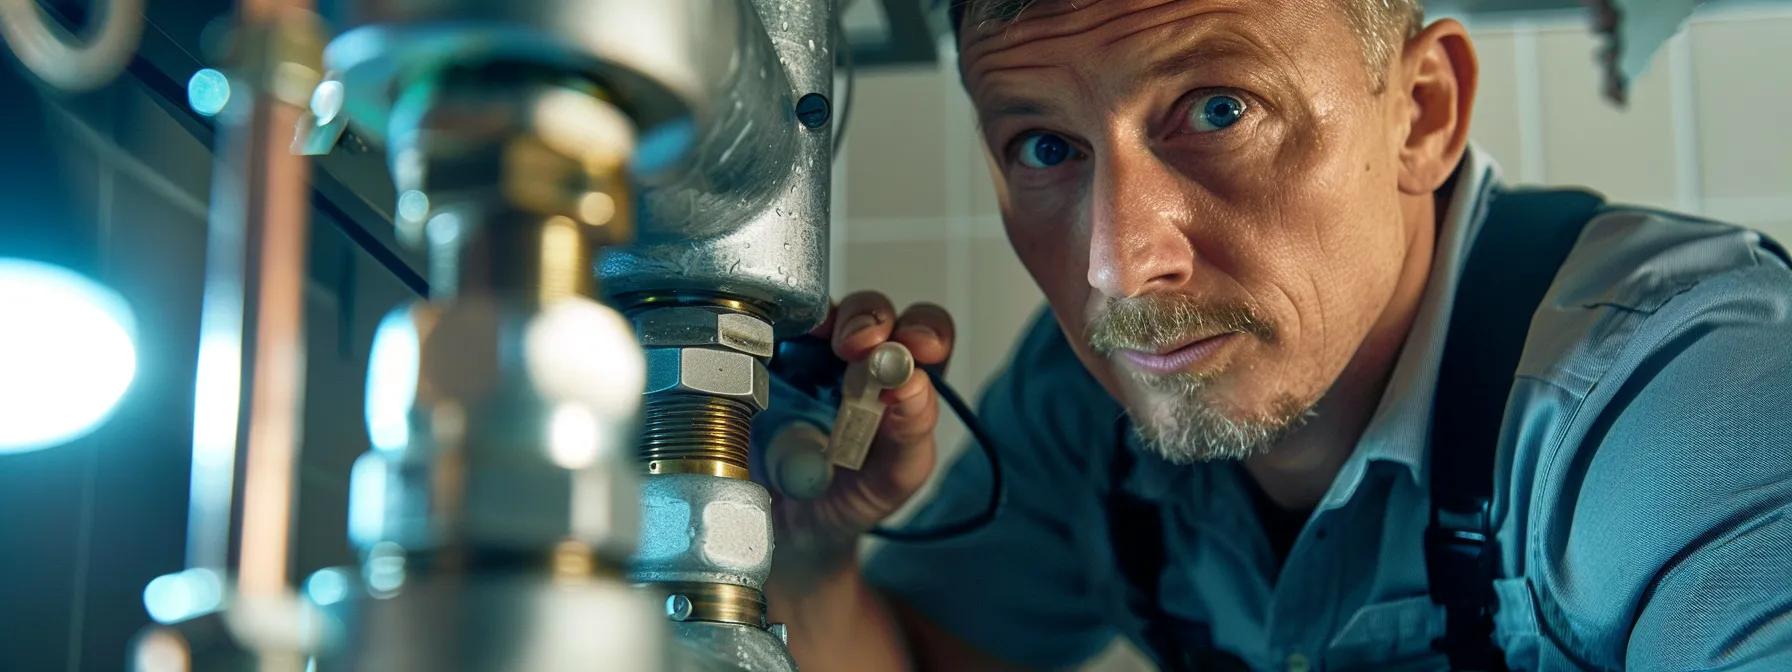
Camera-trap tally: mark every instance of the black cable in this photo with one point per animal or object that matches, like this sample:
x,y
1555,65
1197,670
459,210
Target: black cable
x,y
983,518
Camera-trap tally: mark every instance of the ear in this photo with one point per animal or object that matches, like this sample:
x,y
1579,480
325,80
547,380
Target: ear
x,y
1434,80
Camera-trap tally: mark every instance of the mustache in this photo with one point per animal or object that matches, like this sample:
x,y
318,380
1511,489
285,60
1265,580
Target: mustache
x,y
1158,321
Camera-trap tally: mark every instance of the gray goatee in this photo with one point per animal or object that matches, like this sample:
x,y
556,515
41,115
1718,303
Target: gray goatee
x,y
1185,425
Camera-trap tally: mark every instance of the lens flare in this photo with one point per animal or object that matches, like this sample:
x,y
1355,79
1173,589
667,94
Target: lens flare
x,y
66,355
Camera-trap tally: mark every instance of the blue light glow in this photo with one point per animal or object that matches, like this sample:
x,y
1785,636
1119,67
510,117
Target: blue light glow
x,y
66,355
392,380
384,569
208,91
327,586
171,598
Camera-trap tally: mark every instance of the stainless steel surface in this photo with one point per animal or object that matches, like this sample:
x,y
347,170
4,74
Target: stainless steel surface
x,y
691,325
750,220
703,528
736,187
705,646
500,424
487,623
661,57
709,371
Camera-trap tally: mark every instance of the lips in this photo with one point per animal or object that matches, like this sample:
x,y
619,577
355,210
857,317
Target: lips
x,y
1178,359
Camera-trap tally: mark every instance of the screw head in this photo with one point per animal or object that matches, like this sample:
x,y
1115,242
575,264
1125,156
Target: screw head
x,y
678,607
813,110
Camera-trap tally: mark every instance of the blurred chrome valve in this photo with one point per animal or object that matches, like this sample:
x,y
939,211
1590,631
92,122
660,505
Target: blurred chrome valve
x,y
499,509
497,512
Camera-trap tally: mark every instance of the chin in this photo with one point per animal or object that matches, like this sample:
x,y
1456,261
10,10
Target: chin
x,y
1200,424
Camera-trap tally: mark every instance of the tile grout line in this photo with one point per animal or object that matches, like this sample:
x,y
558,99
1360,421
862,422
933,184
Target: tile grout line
x,y
1529,99
1689,169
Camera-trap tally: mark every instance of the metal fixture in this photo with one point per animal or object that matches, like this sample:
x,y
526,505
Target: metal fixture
x,y
250,381
498,507
744,229
519,136
706,530
671,158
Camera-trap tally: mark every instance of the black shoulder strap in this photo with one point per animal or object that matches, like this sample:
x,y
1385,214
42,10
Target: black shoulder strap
x,y
1524,238
1136,534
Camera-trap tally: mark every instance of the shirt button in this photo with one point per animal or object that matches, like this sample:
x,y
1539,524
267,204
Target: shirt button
x,y
1298,663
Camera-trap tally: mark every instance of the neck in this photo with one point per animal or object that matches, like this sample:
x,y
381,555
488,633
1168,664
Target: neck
x,y
1296,473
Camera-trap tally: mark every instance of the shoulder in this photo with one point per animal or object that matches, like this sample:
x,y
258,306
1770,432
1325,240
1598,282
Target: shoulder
x,y
1045,382
1667,341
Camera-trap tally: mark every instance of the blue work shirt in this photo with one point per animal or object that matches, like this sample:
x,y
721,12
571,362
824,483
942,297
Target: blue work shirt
x,y
1643,485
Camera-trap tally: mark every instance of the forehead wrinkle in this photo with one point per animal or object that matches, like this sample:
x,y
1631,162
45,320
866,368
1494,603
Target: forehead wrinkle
x,y
1006,107
1075,18
1163,17
1000,103
1174,16
1204,51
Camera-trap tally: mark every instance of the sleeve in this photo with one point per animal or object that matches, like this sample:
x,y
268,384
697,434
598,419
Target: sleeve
x,y
1676,543
1020,588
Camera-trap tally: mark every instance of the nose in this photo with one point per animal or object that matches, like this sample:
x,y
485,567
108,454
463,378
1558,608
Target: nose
x,y
1138,243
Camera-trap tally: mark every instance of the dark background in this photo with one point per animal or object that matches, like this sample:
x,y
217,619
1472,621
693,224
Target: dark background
x,y
114,184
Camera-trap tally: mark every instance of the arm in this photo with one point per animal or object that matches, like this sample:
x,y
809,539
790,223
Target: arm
x,y
1668,545
1724,596
1017,590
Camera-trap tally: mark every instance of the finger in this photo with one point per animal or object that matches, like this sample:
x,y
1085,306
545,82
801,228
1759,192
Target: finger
x,y
904,451
862,321
927,330
911,410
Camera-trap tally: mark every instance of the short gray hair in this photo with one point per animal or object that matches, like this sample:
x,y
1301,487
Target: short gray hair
x,y
1380,25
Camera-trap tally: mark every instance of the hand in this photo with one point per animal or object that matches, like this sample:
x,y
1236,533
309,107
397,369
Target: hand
x,y
820,535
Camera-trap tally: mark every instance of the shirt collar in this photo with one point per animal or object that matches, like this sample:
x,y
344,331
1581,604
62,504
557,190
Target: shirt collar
x,y
1399,432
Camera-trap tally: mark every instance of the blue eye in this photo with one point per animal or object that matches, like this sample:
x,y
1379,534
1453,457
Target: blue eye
x,y
1215,111
1044,150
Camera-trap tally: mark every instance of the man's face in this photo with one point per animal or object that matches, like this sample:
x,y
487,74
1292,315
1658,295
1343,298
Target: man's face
x,y
1206,191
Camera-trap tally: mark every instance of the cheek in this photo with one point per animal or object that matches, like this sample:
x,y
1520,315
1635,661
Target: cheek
x,y
1322,247
1063,282
1053,249
1352,251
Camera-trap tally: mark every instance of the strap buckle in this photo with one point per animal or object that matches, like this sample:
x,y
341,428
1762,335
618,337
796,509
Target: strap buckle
x,y
1460,557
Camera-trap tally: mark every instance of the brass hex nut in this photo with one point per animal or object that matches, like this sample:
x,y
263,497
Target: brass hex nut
x,y
691,326
711,371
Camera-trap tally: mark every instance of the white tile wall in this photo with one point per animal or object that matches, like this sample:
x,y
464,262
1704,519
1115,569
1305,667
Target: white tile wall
x,y
1626,154
1744,119
1707,131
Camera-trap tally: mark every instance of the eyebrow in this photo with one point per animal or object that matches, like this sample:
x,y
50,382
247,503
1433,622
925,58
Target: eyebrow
x,y
1010,106
1197,55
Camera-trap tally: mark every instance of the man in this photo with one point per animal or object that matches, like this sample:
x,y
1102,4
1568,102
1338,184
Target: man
x,y
1249,219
